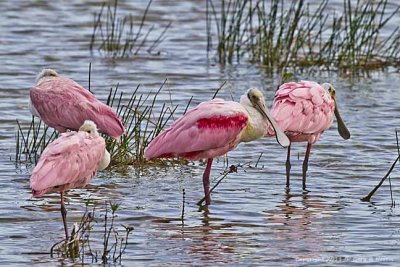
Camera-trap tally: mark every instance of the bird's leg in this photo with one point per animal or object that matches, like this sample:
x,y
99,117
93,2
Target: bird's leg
x,y
64,215
206,181
288,166
305,165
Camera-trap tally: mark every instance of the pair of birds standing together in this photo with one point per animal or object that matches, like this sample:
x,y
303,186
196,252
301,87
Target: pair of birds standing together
x,y
300,112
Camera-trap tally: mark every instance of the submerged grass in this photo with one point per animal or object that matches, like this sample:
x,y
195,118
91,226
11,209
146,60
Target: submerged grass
x,y
299,35
119,37
83,246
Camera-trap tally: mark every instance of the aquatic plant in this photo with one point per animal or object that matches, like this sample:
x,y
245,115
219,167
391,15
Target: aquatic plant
x,y
32,140
81,243
141,123
233,25
118,37
283,36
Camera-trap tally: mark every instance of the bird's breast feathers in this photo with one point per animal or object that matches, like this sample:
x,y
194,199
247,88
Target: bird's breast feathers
x,y
252,132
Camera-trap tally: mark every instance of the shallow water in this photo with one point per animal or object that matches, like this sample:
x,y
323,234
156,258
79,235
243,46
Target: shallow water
x,y
253,219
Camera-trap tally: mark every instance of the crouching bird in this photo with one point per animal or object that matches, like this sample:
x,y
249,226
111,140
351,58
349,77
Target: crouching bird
x,y
304,111
64,105
70,161
213,128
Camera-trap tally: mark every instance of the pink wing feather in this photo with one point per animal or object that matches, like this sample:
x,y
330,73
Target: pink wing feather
x,y
303,108
209,130
68,162
63,104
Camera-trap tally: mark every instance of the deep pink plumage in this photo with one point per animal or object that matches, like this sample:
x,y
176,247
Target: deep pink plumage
x,y
209,130
303,111
68,162
64,104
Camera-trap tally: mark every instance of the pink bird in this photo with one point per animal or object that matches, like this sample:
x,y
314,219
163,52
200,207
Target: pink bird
x,y
213,128
63,104
68,162
304,111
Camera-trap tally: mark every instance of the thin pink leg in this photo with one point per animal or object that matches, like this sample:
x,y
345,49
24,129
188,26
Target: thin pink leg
x,y
288,166
206,181
305,165
64,214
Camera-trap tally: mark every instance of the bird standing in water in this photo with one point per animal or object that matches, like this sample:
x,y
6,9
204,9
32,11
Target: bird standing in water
x,y
64,104
70,161
213,128
304,111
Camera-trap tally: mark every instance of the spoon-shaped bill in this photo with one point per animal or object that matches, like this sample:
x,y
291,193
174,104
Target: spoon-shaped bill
x,y
282,139
342,129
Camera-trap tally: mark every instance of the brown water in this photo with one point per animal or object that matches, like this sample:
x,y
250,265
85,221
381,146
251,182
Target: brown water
x,y
253,219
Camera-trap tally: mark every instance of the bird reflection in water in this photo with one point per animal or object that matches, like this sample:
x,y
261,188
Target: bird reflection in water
x,y
213,241
299,225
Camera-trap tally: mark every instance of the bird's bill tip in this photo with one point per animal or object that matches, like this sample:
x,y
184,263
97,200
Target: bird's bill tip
x,y
282,139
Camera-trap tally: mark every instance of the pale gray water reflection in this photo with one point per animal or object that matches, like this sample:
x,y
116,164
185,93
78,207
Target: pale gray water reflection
x,y
253,220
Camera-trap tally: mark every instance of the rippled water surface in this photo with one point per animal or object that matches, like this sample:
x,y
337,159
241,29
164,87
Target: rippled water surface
x,y
253,219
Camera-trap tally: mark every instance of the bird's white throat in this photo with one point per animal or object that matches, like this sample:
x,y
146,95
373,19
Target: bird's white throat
x,y
257,123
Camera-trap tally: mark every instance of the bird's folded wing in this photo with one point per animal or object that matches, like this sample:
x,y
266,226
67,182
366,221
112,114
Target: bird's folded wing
x,y
211,125
72,157
70,107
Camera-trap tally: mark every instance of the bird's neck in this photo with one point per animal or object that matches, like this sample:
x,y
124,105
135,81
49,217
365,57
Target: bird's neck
x,y
256,125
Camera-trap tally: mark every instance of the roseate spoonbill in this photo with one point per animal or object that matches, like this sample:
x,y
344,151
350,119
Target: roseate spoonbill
x,y
64,104
68,162
304,111
213,128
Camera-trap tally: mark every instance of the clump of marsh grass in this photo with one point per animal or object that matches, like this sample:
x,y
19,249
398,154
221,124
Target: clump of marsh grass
x,y
119,37
233,25
142,125
296,35
83,242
